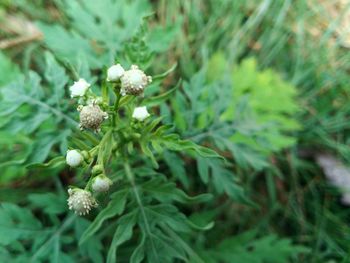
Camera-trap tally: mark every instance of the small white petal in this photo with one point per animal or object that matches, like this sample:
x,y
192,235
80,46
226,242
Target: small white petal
x,y
81,201
79,88
73,158
140,113
115,72
101,183
134,81
91,117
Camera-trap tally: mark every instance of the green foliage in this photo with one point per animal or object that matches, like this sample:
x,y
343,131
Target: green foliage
x,y
37,112
99,31
278,83
155,218
244,248
221,177
272,104
9,70
96,30
161,138
26,239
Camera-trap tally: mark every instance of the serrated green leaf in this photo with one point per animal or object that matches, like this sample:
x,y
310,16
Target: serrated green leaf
x,y
165,191
214,170
115,207
49,202
243,248
16,223
139,252
121,235
177,167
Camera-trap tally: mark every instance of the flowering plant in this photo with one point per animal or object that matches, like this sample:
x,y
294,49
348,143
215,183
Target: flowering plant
x,y
116,147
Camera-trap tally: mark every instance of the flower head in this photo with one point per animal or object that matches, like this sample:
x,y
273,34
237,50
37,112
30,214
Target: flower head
x,y
140,113
74,158
91,117
81,201
134,81
79,88
115,72
101,183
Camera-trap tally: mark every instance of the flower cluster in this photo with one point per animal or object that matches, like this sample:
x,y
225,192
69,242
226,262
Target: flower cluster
x,y
133,81
81,201
91,117
93,111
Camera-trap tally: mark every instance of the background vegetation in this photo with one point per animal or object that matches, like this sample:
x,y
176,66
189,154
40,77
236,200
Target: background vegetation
x,y
264,83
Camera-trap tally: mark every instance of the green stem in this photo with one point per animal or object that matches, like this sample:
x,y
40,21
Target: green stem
x,y
116,105
131,179
90,178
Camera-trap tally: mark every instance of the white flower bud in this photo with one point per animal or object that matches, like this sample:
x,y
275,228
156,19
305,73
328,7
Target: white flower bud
x,y
101,183
140,113
134,81
81,201
79,88
74,158
115,72
91,117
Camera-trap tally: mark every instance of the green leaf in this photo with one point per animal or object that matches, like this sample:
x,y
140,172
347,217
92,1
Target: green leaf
x,y
50,203
147,151
53,163
167,214
123,233
56,76
160,38
166,73
92,248
157,100
243,248
97,30
205,227
214,171
177,167
105,147
38,111
139,252
16,223
115,207
165,191
162,138
125,100
9,70
275,110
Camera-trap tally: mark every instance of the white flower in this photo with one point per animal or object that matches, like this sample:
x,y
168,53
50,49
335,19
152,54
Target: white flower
x,y
74,158
140,113
91,117
79,88
115,72
81,201
134,81
101,183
